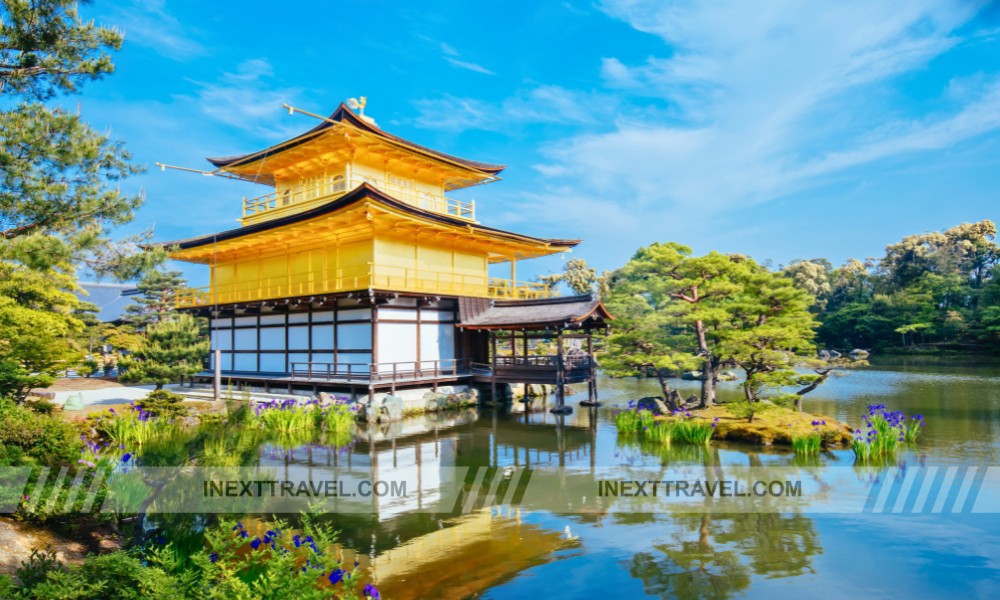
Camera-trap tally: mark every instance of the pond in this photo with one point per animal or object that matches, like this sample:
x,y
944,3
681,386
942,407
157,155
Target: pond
x,y
509,553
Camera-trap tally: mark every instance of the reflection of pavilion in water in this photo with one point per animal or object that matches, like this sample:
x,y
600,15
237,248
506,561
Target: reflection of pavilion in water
x,y
419,546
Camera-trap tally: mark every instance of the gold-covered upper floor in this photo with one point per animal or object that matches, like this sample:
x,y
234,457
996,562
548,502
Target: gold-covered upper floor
x,y
345,151
362,240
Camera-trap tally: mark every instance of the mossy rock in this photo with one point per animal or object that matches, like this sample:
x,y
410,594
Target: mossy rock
x,y
775,426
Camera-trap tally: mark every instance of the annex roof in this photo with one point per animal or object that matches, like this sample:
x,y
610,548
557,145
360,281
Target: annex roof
x,y
560,312
111,299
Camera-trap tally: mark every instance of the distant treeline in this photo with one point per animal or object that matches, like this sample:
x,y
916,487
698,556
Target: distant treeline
x,y
938,289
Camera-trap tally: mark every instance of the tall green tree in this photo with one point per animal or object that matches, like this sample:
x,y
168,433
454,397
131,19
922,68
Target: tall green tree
x,y
770,331
158,294
931,288
675,311
173,349
60,181
685,297
577,275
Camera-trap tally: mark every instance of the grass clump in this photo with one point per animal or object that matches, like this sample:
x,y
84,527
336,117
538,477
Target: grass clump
x,y
634,420
807,444
690,431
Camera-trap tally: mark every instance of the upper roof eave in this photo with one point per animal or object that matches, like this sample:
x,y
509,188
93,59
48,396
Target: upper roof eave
x,y
343,114
364,191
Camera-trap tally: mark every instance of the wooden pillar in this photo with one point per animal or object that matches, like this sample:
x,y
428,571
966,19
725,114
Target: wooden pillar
x,y
493,363
560,371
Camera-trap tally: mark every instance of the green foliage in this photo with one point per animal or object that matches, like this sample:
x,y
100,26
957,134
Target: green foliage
x,y
35,330
173,349
46,48
55,174
691,431
807,444
27,437
748,409
661,432
681,427
16,381
632,422
938,288
338,417
227,562
163,403
41,406
675,312
885,433
577,274
158,291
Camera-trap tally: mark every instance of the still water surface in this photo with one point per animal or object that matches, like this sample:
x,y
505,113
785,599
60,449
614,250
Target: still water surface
x,y
508,554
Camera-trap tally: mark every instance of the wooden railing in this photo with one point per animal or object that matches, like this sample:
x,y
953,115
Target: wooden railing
x,y
328,188
518,290
362,277
290,285
569,361
381,372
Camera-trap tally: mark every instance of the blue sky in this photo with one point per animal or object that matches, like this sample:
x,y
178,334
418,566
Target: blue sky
x,y
781,130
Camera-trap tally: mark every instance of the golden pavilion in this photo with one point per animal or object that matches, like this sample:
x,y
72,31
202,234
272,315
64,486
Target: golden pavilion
x,y
358,272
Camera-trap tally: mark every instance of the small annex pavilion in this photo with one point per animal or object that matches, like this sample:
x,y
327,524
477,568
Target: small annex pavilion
x,y
356,272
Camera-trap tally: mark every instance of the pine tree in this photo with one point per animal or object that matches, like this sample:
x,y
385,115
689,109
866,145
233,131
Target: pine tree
x,y
60,184
159,291
173,349
577,274
676,312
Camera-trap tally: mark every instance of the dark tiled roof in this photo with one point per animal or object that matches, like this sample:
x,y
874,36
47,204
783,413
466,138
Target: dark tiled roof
x,y
356,195
111,299
346,115
566,311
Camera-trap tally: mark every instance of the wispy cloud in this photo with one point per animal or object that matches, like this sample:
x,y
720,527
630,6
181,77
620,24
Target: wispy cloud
x,y
468,66
247,97
452,57
148,23
760,100
539,104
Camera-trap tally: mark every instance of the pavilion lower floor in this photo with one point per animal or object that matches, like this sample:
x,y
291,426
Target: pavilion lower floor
x,y
379,341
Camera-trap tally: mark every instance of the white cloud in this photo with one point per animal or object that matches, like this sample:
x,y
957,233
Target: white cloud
x,y
539,104
247,98
148,23
468,66
453,57
757,100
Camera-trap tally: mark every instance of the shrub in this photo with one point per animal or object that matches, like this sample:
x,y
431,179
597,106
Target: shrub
x,y
16,381
172,350
118,575
338,417
38,438
230,562
41,406
745,409
163,403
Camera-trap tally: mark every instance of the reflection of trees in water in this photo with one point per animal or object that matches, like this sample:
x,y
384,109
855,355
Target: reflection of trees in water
x,y
714,556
